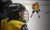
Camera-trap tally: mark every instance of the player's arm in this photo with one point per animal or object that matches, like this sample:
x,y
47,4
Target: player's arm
x,y
33,6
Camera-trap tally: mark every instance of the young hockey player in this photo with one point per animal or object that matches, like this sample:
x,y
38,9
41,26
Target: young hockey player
x,y
17,14
35,7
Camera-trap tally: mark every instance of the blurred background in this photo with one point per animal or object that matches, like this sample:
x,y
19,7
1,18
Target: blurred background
x,y
35,23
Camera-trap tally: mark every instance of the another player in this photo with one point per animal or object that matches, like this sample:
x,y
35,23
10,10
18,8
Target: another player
x,y
35,7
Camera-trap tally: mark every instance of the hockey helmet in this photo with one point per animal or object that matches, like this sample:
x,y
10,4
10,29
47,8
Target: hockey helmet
x,y
17,11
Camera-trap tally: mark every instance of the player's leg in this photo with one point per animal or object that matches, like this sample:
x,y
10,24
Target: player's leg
x,y
32,13
38,14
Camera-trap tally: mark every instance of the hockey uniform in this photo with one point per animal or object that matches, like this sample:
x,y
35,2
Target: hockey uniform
x,y
35,7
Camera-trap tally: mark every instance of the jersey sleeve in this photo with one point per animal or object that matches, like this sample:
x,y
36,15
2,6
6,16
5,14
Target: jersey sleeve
x,y
33,6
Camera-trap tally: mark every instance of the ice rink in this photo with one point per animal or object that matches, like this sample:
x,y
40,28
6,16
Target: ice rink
x,y
36,23
41,23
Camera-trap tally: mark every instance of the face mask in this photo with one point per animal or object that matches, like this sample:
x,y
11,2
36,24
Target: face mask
x,y
24,16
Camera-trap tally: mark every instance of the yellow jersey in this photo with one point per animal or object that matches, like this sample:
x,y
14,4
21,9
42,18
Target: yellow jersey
x,y
12,25
36,7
